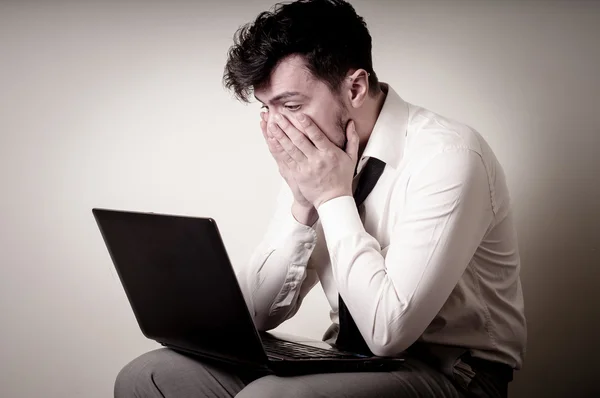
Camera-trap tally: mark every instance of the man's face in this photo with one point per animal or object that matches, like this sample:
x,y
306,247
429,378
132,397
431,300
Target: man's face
x,y
293,90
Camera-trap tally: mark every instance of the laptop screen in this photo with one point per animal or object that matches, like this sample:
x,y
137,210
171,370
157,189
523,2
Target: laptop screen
x,y
180,283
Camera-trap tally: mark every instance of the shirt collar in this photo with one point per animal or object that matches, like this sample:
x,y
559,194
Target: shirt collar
x,y
387,139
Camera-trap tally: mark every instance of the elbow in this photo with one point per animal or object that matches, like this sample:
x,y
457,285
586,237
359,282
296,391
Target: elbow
x,y
390,348
264,323
270,319
264,327
394,338
261,319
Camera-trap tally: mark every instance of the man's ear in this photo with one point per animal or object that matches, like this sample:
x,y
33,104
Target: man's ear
x,y
358,87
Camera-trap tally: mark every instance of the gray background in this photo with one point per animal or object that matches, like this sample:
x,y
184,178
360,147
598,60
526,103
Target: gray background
x,y
120,104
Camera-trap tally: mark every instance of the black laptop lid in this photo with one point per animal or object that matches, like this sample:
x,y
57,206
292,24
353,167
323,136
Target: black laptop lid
x,y
180,283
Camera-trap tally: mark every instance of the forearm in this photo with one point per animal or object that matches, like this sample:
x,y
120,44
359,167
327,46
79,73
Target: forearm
x,y
393,294
274,279
361,277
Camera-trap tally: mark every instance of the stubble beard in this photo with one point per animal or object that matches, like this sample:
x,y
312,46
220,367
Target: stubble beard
x,y
342,120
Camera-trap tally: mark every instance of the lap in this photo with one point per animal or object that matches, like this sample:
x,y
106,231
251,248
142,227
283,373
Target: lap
x,y
169,374
414,380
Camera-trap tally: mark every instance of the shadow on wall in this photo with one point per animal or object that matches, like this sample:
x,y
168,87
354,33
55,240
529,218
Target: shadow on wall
x,y
559,234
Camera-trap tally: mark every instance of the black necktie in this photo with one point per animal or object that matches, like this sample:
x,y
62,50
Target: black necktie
x,y
349,337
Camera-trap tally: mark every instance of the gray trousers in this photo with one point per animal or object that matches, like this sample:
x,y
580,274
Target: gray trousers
x,y
167,374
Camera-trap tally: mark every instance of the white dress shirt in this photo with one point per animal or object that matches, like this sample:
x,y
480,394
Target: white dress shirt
x,y
431,256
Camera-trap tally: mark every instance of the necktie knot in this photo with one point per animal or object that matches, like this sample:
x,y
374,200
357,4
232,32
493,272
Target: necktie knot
x,y
367,180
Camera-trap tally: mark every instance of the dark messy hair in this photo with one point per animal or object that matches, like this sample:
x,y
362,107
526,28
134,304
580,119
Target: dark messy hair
x,y
329,34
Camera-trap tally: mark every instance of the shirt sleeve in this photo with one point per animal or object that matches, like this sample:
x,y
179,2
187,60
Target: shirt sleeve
x,y
446,214
276,279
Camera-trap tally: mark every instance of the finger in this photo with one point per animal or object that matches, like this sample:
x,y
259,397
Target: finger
x,y
271,141
279,154
296,136
353,142
314,133
290,148
264,119
274,147
264,116
282,159
263,129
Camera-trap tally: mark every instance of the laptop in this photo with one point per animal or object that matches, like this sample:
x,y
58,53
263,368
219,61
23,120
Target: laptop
x,y
185,295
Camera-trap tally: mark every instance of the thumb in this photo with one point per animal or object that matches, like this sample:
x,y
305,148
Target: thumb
x,y
352,143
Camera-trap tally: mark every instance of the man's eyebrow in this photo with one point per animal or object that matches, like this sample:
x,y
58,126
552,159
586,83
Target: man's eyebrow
x,y
282,96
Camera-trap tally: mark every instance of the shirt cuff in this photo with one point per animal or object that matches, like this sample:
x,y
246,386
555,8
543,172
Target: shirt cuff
x,y
339,218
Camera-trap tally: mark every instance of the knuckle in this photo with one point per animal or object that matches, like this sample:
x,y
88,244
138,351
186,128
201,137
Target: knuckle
x,y
315,133
316,136
320,164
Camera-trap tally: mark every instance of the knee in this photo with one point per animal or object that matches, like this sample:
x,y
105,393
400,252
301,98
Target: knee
x,y
136,379
277,387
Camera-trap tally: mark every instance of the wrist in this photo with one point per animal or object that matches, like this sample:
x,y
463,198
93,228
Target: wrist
x,y
329,196
304,214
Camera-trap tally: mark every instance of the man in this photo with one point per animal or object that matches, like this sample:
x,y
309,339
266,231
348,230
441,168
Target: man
x,y
427,265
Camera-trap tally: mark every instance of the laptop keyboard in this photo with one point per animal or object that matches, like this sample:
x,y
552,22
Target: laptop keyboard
x,y
300,351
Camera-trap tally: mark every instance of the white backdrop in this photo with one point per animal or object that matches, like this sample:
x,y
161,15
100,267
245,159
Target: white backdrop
x,y
120,104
